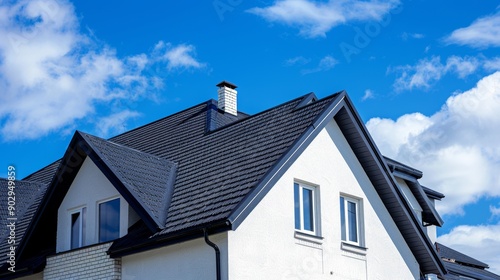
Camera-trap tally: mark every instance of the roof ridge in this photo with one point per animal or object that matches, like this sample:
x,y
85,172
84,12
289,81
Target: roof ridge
x,y
169,168
161,119
265,111
124,146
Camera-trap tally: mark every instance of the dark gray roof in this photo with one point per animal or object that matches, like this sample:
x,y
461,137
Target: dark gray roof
x,y
459,264
149,179
217,169
455,270
447,252
44,175
28,196
225,165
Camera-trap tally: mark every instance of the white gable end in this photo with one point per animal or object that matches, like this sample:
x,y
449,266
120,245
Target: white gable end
x,y
89,188
267,244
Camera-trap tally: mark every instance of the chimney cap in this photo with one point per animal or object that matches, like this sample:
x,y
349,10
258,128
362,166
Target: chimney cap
x,y
226,84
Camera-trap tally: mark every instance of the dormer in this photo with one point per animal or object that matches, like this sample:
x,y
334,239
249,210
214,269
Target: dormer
x,y
92,211
103,188
420,199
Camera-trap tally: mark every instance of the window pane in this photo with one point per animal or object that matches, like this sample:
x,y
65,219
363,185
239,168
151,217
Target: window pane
x,y
84,225
353,231
75,230
296,195
342,218
109,220
307,197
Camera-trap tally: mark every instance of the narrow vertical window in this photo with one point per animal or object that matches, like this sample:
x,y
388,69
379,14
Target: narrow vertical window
x,y
350,219
308,210
342,219
77,228
306,213
296,192
109,220
353,225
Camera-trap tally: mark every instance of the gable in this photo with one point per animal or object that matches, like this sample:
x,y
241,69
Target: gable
x,y
88,189
342,111
329,165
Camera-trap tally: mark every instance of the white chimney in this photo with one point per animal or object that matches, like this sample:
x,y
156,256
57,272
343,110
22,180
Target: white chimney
x,y
227,97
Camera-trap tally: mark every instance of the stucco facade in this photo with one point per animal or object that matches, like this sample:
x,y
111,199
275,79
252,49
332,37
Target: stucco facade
x,y
266,245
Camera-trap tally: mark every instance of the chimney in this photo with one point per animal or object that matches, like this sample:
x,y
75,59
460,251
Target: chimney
x,y
227,97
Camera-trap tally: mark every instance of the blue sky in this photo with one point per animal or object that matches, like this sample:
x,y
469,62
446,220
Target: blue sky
x,y
422,74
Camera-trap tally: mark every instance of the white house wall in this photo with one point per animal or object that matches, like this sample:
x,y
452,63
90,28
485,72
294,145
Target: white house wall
x,y
190,260
264,246
89,187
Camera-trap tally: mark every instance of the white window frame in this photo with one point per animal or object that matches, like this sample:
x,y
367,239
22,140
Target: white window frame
x,y
315,208
359,220
98,212
82,211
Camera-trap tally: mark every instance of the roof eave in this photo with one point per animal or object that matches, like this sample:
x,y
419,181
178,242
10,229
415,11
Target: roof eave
x,y
155,242
437,265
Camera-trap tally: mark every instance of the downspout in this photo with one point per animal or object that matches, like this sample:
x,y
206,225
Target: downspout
x,y
217,253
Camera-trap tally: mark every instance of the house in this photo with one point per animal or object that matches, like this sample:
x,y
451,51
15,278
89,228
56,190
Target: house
x,y
298,191
461,266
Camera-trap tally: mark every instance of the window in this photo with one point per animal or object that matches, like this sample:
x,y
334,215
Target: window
x,y
109,220
350,220
78,228
306,213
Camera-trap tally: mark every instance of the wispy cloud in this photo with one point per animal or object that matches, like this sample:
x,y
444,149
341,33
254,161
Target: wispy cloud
x,y
298,60
492,64
325,64
456,147
52,75
178,57
115,123
405,36
495,211
369,94
315,18
482,33
429,70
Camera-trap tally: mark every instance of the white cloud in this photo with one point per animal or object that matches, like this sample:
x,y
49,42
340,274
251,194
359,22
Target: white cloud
x,y
368,95
430,70
482,33
495,211
420,75
325,64
463,66
298,60
456,148
178,57
405,36
492,64
115,123
53,76
480,242
316,18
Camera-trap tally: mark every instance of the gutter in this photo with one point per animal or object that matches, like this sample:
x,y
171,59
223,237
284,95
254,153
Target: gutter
x,y
217,253
156,241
